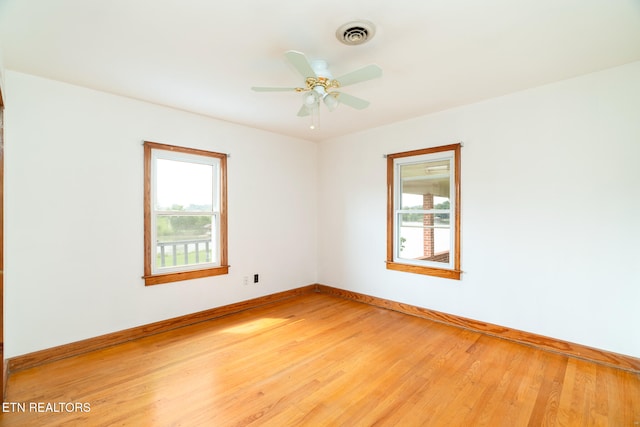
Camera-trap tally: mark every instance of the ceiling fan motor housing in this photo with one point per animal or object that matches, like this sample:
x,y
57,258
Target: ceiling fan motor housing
x,y
321,68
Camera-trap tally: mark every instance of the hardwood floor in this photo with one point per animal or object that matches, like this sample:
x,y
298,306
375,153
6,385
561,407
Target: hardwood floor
x,y
319,360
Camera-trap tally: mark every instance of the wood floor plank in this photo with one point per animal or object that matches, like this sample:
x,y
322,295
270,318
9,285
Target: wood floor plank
x,y
491,398
320,360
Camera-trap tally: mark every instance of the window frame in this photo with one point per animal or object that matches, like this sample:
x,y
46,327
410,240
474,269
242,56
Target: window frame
x,y
189,272
394,263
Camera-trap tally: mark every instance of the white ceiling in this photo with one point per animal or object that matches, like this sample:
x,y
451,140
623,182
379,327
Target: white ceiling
x,y
204,55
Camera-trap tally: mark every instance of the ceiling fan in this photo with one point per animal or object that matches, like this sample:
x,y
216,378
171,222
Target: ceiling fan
x,y
321,86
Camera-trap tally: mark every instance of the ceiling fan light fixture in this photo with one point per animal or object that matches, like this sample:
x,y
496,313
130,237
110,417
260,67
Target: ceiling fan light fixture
x,y
310,98
355,32
331,100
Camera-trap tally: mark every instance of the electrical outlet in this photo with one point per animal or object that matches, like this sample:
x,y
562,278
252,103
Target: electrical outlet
x,y
255,278
245,281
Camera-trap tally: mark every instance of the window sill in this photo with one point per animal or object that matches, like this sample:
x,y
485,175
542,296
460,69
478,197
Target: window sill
x,y
158,279
429,271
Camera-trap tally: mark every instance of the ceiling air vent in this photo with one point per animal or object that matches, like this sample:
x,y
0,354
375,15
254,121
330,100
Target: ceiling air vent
x,y
356,32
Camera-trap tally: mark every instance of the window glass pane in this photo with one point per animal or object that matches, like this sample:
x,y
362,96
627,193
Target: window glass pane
x,y
424,237
442,205
425,184
184,240
184,186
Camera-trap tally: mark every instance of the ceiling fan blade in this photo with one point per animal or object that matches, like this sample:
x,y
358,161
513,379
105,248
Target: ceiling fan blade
x,y
304,111
367,73
300,62
352,101
273,89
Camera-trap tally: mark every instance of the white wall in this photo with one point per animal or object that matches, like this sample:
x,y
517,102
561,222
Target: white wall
x,y
1,71
3,227
550,211
550,195
74,213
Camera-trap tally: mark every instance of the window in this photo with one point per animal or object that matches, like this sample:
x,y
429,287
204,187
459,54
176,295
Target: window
x,y
423,211
185,213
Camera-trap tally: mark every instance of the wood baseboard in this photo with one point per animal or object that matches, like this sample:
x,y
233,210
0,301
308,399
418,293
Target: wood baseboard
x,y
36,358
565,348
620,361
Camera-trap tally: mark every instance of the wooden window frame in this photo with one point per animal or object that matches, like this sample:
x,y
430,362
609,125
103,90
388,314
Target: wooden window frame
x,y
392,263
151,278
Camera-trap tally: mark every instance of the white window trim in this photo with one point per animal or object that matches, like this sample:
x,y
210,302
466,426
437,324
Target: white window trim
x,y
159,154
398,163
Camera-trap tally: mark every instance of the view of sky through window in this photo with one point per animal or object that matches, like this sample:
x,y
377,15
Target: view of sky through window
x,y
184,183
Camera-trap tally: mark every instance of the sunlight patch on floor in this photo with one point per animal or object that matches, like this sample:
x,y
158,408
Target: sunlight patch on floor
x,y
254,325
